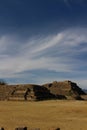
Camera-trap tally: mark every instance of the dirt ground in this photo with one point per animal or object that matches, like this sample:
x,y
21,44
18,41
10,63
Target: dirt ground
x,y
68,115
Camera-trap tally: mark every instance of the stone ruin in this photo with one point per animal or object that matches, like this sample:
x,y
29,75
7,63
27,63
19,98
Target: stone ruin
x,y
24,92
31,92
65,90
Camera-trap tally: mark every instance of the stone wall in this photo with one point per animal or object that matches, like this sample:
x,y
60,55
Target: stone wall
x,y
32,92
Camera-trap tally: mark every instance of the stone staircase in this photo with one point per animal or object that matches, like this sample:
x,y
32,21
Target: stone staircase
x,y
5,92
32,92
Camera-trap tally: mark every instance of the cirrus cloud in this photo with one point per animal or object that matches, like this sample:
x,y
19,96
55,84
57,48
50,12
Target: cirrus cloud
x,y
64,52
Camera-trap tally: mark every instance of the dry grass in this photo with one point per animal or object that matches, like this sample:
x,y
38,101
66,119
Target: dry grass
x,y
68,115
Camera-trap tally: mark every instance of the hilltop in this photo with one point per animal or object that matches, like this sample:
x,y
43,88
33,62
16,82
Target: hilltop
x,y
31,92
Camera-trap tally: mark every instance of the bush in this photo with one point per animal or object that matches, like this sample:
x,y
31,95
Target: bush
x,y
2,82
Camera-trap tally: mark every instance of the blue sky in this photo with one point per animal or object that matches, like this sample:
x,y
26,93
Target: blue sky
x,y
43,40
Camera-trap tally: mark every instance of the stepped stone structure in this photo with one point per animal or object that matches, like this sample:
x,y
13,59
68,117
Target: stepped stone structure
x,y
65,89
5,91
32,92
28,92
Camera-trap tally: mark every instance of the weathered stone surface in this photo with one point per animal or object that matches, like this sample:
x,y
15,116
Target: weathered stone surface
x,y
32,92
27,92
65,89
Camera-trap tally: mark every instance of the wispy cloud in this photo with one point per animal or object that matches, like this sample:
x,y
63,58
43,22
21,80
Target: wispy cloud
x,y
58,53
67,2
78,2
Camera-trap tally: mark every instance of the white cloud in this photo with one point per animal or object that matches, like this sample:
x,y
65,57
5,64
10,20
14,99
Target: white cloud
x,y
54,53
82,83
69,3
